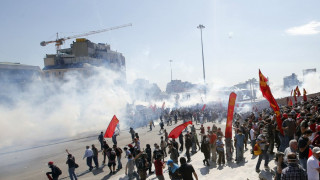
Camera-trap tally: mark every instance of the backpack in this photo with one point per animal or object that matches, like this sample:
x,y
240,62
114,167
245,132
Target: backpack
x,y
58,170
118,151
140,164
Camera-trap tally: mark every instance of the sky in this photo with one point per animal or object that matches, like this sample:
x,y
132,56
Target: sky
x,y
279,37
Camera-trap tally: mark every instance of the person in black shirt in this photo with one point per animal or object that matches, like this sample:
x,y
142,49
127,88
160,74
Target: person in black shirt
x,y
149,158
72,165
303,145
186,170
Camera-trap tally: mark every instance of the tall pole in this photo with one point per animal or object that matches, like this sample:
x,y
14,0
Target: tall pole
x,y
171,69
204,73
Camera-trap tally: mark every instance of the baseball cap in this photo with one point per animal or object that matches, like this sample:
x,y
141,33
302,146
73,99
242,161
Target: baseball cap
x,y
50,163
316,150
169,161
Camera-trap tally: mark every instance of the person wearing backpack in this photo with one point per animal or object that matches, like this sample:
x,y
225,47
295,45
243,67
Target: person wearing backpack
x,y
55,171
118,154
142,164
111,160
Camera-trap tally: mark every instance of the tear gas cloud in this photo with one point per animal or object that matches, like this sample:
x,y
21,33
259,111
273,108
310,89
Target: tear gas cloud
x,y
49,110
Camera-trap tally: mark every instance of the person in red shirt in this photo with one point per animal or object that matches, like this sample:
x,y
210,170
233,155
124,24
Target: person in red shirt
x,y
213,147
159,166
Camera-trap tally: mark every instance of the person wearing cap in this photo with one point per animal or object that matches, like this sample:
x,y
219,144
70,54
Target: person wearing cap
x,y
313,168
55,171
173,169
293,171
303,144
88,154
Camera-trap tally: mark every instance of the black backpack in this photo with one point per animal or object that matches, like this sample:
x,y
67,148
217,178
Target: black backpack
x,y
57,170
140,164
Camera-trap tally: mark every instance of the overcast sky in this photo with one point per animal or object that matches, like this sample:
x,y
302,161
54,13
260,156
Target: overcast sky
x,y
280,37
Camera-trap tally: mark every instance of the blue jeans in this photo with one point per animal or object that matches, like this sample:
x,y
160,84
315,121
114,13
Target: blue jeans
x,y
264,155
303,162
119,162
239,153
72,174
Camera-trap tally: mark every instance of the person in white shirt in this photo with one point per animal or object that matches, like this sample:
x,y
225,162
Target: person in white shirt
x,y
252,138
313,168
88,154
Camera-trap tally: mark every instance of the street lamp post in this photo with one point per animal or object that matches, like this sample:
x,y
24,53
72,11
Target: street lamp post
x,y
204,73
171,69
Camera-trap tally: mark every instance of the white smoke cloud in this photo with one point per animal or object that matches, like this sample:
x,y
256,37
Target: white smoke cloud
x,y
311,28
53,110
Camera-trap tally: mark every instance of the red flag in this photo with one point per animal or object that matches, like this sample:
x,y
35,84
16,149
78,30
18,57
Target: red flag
x,y
266,92
295,95
163,105
305,95
298,91
232,101
290,102
177,130
310,152
112,126
204,106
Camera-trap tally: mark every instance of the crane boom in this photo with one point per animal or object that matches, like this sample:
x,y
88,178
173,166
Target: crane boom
x,y
59,41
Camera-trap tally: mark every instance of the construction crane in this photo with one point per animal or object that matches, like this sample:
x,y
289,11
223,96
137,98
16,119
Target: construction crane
x,y
59,41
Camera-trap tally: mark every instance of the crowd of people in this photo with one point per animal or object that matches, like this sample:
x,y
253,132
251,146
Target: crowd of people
x,y
296,151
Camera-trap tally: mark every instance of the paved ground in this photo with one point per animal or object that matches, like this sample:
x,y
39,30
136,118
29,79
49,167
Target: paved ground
x,y
32,163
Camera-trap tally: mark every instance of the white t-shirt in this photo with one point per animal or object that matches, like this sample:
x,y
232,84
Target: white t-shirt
x,y
312,165
252,134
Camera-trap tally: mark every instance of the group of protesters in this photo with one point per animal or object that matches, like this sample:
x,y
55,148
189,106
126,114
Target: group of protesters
x,y
297,147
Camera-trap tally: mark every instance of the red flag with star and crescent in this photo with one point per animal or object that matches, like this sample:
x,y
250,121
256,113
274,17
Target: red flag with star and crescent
x,y
232,101
266,92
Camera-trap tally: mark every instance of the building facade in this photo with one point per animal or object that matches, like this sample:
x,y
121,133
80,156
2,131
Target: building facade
x,y
81,57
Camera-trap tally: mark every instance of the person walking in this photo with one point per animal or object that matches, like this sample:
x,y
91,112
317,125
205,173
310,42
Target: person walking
x,y
174,154
159,165
188,145
101,138
130,170
262,141
163,146
173,169
187,170
205,149
118,154
95,156
111,160
89,155
149,158
132,132
104,151
71,166
55,171
181,141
